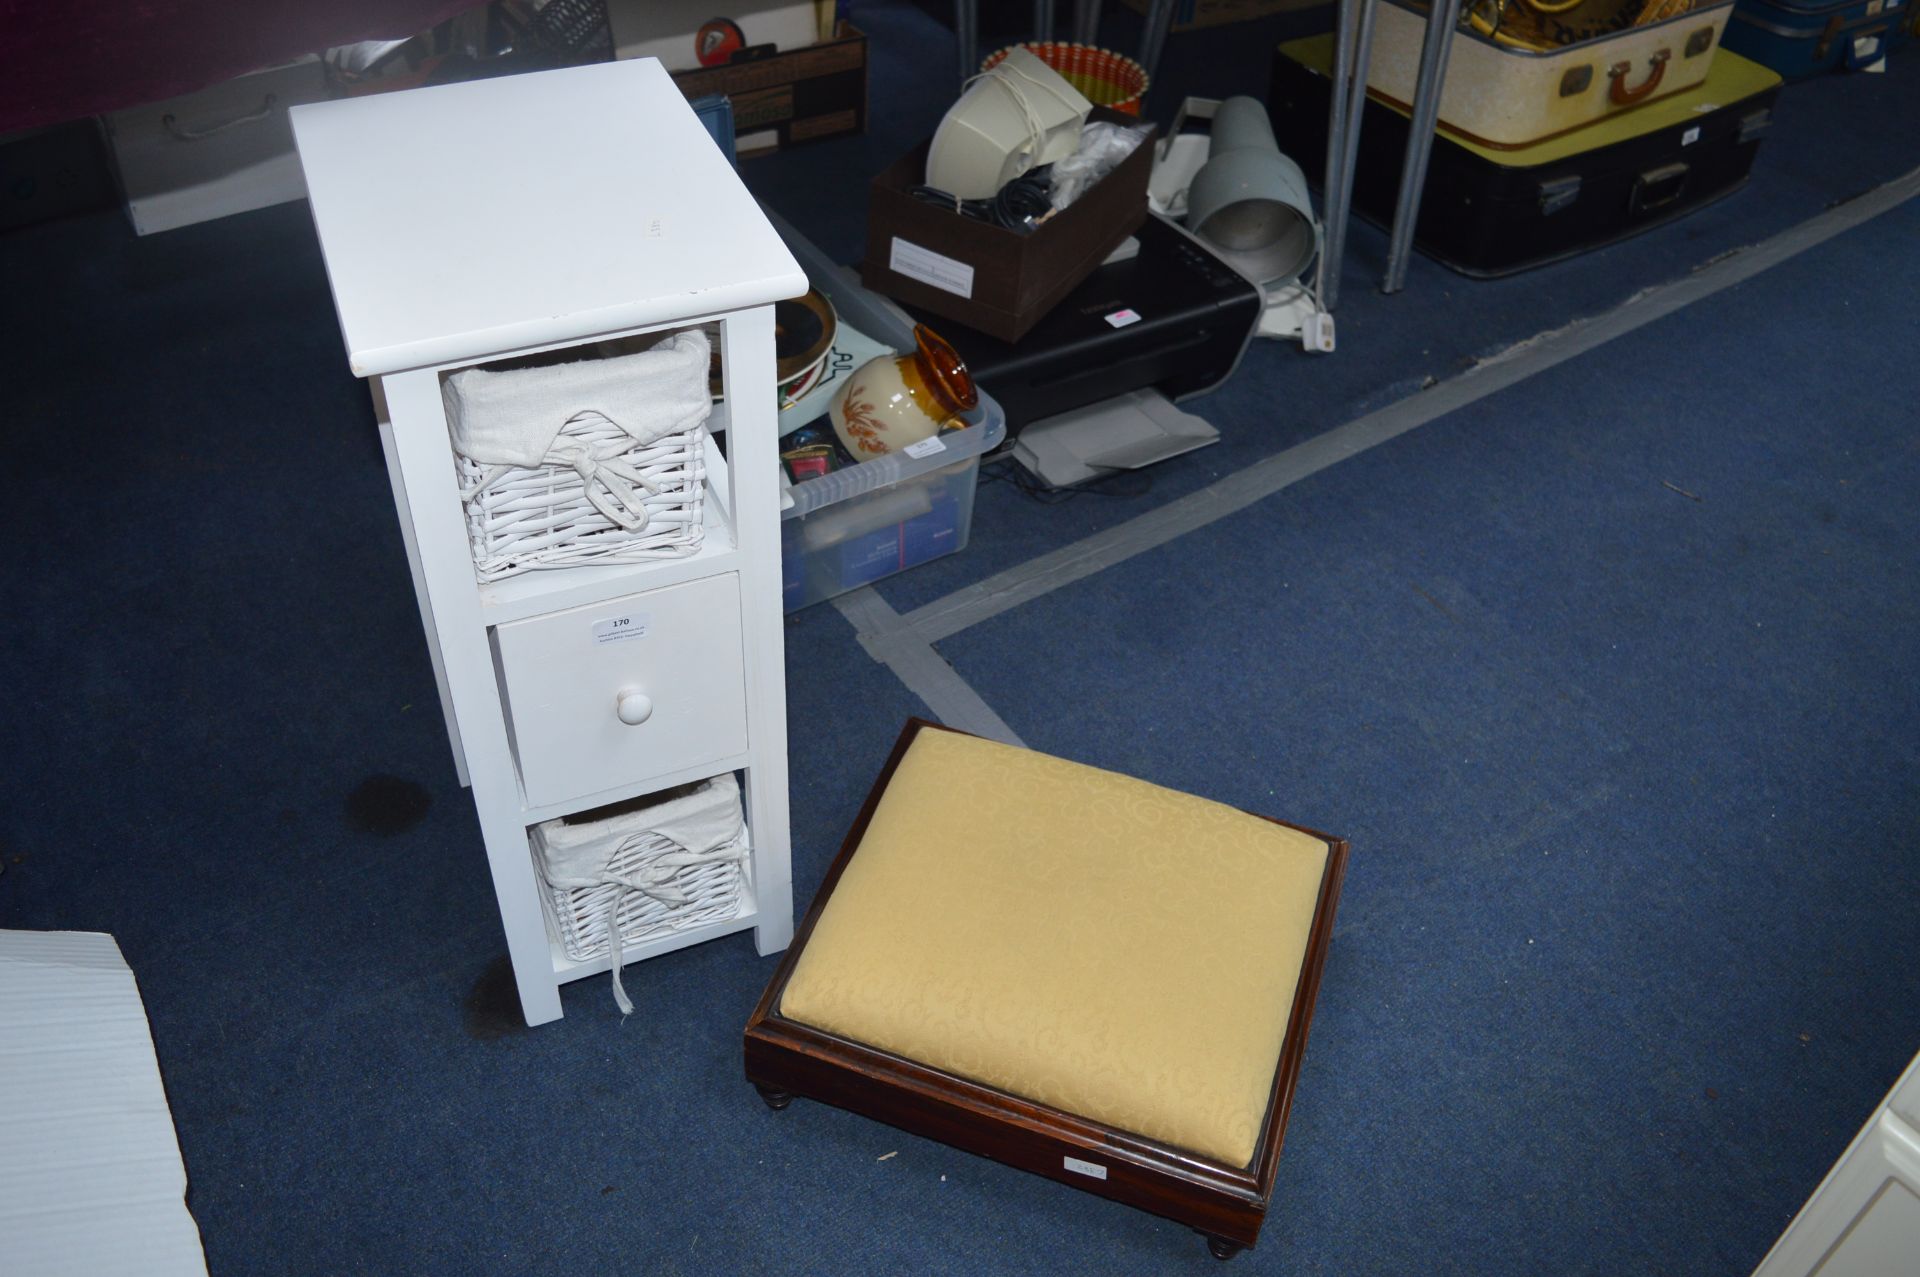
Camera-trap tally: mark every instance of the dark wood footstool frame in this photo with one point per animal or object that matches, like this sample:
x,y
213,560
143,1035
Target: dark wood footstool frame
x,y
1226,1203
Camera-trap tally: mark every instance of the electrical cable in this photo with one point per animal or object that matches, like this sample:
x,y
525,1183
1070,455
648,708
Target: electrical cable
x,y
1021,205
1008,470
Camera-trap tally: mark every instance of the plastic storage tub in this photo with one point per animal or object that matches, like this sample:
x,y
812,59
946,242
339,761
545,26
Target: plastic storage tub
x,y
856,526
864,523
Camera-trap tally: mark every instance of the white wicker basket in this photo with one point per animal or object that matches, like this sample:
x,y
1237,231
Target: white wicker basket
x,y
559,483
521,519
648,869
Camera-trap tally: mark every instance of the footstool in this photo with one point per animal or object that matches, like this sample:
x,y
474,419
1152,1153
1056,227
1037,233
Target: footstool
x,y
1070,971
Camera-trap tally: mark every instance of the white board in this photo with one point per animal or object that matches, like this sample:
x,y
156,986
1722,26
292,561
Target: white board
x,y
91,1179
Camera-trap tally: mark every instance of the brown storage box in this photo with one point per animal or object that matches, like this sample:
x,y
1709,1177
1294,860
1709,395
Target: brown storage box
x,y
797,96
988,277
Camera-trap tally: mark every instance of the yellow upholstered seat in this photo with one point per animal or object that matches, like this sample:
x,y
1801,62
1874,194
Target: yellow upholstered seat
x,y
1110,948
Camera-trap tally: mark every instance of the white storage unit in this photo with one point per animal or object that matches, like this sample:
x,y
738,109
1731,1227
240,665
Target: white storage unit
x,y
492,220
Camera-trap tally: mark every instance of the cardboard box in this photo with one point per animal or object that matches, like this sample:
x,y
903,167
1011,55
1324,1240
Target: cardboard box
x,y
985,276
797,96
1189,15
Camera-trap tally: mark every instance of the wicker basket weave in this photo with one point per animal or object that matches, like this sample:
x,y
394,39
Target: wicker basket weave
x,y
684,888
1102,77
550,479
541,518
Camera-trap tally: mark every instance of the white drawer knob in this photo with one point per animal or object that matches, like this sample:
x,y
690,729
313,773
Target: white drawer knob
x,y
634,706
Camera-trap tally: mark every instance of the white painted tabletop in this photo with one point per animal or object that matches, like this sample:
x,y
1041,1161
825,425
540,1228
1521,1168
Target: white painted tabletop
x,y
468,219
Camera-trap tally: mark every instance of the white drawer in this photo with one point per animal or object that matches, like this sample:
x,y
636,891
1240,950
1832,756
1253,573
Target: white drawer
x,y
611,694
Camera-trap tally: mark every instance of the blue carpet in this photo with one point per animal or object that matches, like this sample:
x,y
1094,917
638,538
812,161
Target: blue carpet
x,y
1628,774
224,748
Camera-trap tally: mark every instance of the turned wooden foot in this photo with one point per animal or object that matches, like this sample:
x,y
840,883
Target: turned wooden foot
x,y
776,1098
1222,1248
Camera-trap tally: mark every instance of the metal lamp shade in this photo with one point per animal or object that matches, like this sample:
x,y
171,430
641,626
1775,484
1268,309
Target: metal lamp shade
x,y
1249,201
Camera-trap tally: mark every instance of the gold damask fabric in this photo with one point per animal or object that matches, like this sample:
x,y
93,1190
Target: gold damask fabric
x,y
1071,936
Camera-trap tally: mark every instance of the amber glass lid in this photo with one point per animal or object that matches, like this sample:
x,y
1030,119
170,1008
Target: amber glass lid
x,y
945,371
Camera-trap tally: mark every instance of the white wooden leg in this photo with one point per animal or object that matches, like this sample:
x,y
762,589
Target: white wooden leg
x,y
451,606
419,580
752,456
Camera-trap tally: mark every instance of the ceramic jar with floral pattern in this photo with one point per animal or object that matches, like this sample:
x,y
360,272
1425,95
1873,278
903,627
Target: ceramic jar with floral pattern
x,y
897,400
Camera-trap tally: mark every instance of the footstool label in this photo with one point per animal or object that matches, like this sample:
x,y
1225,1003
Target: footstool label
x,y
1079,1167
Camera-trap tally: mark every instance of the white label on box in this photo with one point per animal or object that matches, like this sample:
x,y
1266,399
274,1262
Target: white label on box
x,y
655,227
618,629
926,447
1873,7
930,267
1092,1169
1691,136
1121,318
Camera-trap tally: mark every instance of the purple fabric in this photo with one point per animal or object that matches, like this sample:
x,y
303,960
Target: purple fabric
x,y
62,61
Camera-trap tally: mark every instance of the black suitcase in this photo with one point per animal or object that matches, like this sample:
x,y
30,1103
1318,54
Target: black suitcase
x,y
1488,212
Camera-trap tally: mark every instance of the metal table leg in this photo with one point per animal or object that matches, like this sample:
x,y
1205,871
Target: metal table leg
x,y
1426,111
966,30
1343,121
1086,21
1159,19
1356,102
1043,19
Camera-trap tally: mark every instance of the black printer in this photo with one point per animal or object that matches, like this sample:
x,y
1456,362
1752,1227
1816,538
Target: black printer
x,y
1170,316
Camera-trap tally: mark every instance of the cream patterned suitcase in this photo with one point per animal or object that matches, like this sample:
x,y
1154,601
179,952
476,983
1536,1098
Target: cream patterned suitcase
x,y
1518,73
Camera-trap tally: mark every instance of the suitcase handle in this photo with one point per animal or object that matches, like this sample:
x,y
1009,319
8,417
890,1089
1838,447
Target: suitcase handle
x,y
1837,27
194,135
1657,188
1617,73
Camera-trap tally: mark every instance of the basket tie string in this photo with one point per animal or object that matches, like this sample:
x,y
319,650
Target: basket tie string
x,y
655,879
611,494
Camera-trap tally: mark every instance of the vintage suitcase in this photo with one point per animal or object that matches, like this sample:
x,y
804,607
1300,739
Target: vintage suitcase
x,y
1524,70
1799,38
1488,212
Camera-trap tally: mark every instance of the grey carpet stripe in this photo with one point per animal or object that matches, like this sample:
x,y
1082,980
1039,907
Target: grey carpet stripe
x,y
947,616
914,662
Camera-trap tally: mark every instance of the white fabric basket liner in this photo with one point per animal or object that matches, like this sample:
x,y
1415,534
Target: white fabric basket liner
x,y
654,869
599,460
